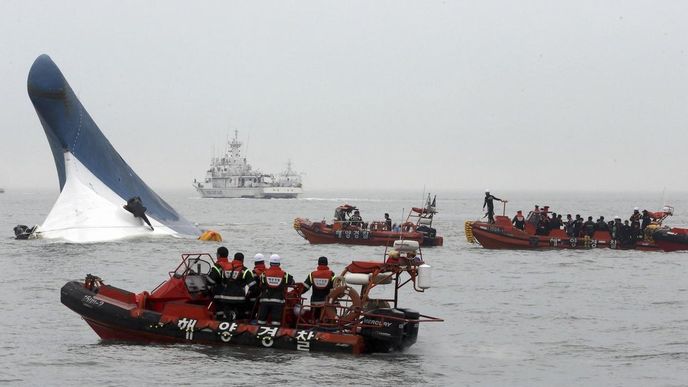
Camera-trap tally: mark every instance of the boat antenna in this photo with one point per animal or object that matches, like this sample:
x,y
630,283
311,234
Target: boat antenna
x,y
663,203
401,229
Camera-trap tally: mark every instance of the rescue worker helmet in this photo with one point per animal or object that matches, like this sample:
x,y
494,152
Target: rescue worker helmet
x,y
275,259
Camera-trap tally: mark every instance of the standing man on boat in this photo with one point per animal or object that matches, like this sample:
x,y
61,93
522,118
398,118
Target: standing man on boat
x,y
356,219
237,278
217,280
273,285
388,222
322,281
254,291
490,205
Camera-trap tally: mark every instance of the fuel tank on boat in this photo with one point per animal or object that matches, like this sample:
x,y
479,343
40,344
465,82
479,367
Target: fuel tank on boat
x,y
95,181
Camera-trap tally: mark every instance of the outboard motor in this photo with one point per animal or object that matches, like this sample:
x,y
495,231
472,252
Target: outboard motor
x,y
429,235
410,328
22,231
386,333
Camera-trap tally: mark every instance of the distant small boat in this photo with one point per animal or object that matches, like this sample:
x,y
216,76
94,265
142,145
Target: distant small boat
x,y
346,229
2,190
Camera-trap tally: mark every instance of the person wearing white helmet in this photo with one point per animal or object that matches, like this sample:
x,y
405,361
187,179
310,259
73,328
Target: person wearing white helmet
x,y
273,285
258,265
258,269
490,205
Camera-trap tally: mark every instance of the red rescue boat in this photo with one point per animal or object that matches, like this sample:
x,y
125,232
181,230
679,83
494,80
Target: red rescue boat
x,y
348,229
671,239
180,310
504,235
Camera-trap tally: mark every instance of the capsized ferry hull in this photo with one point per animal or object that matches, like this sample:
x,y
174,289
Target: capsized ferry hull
x,y
95,181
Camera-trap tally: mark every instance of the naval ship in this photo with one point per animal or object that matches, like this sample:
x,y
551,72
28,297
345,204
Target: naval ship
x,y
230,176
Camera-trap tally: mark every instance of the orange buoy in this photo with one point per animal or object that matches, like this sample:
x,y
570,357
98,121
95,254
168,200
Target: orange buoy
x,y
210,235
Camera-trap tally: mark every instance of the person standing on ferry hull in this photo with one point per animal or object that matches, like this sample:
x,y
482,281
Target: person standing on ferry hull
x,y
322,281
273,284
489,202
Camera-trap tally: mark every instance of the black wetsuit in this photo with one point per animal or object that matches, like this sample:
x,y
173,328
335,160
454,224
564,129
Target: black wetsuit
x,y
519,223
489,202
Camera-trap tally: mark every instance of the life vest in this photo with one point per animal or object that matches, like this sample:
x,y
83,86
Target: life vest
x,y
258,269
234,270
224,264
235,279
322,282
274,277
273,282
322,278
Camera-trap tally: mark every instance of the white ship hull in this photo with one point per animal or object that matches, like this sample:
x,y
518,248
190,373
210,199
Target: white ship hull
x,y
282,192
88,211
251,193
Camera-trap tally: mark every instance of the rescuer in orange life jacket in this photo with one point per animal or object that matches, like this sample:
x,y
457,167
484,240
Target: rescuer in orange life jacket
x,y
231,299
258,269
215,276
216,280
322,281
519,220
273,284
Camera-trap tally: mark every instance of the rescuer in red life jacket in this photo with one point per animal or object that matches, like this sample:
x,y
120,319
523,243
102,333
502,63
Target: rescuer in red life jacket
x,y
216,279
215,276
273,284
231,299
258,269
322,281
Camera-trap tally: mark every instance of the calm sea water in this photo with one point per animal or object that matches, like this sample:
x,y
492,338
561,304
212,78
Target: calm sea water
x,y
512,317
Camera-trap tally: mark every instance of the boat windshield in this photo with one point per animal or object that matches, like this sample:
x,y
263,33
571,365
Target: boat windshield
x,y
194,264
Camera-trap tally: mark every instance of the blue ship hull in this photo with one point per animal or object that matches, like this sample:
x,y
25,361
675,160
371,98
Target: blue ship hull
x,y
69,128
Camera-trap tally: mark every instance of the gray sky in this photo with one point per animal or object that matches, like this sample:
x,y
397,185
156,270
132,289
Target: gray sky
x,y
365,94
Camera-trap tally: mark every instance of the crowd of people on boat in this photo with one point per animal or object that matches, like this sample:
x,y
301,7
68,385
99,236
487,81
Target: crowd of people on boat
x,y
627,231
242,293
356,220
